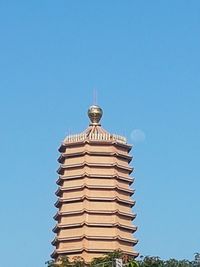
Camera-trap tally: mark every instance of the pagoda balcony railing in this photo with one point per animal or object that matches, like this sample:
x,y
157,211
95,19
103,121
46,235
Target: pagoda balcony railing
x,y
95,137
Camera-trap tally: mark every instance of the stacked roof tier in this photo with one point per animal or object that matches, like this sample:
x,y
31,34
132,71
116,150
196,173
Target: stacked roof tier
x,y
94,196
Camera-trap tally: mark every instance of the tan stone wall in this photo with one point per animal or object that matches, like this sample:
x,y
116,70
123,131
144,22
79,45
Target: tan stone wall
x,y
96,181
95,205
75,244
80,182
95,232
92,170
94,218
84,233
96,148
95,159
109,193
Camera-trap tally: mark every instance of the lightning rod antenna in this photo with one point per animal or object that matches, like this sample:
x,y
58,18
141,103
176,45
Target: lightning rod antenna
x,y
95,97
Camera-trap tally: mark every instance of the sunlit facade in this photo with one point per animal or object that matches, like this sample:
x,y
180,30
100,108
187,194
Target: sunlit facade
x,y
94,195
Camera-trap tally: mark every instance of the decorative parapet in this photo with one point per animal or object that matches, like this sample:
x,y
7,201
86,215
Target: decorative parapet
x,y
95,137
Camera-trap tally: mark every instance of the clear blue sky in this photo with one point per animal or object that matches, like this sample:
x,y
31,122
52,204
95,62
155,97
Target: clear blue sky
x,y
143,57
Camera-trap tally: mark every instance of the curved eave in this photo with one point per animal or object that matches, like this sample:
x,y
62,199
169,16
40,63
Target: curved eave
x,y
131,228
60,190
59,252
107,238
103,199
97,165
63,156
63,146
101,212
130,180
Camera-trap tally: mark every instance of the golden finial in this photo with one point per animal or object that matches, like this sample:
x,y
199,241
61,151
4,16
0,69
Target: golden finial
x,y
95,113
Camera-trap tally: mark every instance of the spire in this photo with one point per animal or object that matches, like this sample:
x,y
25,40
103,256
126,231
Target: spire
x,y
95,113
95,132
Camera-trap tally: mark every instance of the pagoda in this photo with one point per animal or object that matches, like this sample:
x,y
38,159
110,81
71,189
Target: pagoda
x,y
94,196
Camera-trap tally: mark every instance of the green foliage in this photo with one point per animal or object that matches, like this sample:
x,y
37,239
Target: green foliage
x,y
78,262
108,260
150,262
62,262
105,261
132,263
100,261
176,263
50,263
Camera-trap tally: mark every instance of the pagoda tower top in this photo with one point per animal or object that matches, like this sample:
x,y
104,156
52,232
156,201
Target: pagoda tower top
x,y
95,131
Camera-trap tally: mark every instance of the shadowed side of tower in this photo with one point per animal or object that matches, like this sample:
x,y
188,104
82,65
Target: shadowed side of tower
x,y
94,196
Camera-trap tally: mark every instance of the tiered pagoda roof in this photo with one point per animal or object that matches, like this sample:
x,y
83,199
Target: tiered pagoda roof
x,y
94,198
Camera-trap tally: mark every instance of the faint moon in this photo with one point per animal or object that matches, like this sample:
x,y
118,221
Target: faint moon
x,y
138,136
